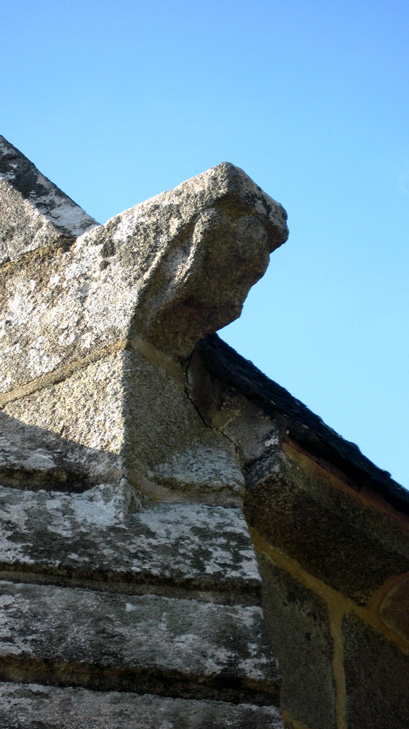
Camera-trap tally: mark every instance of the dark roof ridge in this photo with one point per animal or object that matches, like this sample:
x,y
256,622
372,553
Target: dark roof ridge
x,y
303,426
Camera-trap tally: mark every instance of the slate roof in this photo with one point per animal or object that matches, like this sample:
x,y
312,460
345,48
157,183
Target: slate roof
x,y
302,425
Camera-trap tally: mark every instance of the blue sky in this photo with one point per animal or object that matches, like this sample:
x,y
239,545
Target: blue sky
x,y
116,102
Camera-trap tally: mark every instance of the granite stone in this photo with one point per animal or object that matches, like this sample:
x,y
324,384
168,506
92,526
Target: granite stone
x,y
100,640
122,433
31,706
88,538
299,630
169,271
35,213
377,678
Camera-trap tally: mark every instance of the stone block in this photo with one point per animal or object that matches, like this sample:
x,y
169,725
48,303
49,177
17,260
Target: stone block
x,y
137,643
32,706
76,426
330,531
169,270
81,538
377,678
35,213
299,630
136,423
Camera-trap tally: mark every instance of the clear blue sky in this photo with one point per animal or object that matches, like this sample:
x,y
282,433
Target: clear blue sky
x,y
118,101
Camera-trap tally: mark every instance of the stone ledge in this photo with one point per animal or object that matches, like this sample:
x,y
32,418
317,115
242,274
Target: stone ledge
x,y
324,528
144,644
25,706
82,537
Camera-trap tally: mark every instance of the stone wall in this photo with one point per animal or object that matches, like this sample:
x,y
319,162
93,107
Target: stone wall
x,y
116,392
95,329
332,545
129,586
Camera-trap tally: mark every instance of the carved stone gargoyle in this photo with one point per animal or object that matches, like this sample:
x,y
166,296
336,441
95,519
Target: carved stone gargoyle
x,y
98,320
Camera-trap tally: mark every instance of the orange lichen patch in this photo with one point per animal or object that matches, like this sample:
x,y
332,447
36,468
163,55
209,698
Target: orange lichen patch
x,y
378,598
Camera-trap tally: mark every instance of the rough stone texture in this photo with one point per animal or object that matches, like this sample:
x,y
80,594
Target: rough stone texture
x,y
228,375
83,537
87,448
226,409
97,640
36,457
192,457
33,706
34,213
377,678
103,589
105,389
395,608
122,400
170,270
298,625
348,544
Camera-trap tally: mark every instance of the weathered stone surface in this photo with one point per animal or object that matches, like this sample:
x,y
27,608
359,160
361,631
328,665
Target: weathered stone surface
x,y
122,400
298,625
34,213
336,537
33,455
229,373
83,537
31,706
102,393
226,408
192,459
96,640
169,270
395,608
90,445
377,678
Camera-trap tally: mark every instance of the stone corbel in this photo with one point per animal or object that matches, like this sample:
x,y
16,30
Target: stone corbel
x,y
94,332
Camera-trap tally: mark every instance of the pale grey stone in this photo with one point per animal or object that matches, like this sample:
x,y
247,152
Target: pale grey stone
x,y
36,457
136,423
104,589
31,706
169,270
153,280
88,537
134,642
34,212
